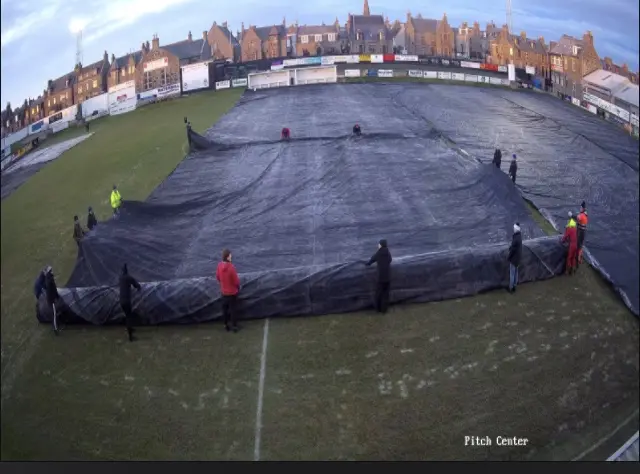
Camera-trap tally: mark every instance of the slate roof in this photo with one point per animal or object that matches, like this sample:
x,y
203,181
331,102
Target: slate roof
x,y
565,45
424,25
97,65
370,26
227,33
189,49
263,32
316,30
630,94
124,60
59,83
528,45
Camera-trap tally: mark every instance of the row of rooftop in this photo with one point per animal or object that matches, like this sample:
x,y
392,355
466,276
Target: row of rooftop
x,y
365,33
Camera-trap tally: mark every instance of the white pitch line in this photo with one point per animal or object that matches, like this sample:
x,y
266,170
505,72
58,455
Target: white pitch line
x,y
606,438
263,366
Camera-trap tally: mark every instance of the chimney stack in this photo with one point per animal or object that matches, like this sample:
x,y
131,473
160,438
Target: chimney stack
x,y
155,42
105,58
204,36
189,37
523,35
541,39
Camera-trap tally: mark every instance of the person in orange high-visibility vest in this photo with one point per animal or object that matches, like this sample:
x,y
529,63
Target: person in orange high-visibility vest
x,y
582,220
571,236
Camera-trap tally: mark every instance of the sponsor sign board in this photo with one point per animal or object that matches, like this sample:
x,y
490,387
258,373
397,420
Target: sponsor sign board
x,y
469,64
575,101
277,65
353,59
454,63
430,74
315,61
385,73
239,82
339,59
512,72
58,126
470,78
36,127
505,82
444,75
634,120
168,91
327,60
499,69
195,76
156,64
456,76
404,58
415,73
592,108
372,73
122,98
483,79
388,58
495,80
377,58
444,62
352,73
530,70
608,106
364,58
223,85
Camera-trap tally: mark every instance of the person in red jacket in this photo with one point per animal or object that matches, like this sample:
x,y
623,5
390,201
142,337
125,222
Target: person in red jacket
x,y
571,236
286,134
229,287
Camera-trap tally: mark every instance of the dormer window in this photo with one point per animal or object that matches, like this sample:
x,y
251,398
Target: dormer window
x,y
359,35
381,35
318,38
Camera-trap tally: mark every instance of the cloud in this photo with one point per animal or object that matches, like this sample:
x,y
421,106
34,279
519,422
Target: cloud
x,y
118,14
25,25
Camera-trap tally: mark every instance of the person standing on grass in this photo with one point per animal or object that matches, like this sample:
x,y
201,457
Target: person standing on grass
x,y
91,219
40,285
383,259
229,287
515,254
53,298
571,237
513,169
497,158
78,232
116,200
126,282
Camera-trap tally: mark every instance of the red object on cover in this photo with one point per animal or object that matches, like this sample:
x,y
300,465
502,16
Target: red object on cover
x,y
228,277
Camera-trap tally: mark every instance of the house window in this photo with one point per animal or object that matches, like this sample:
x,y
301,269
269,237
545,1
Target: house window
x,y
359,35
381,36
318,38
332,37
573,65
95,83
304,39
54,101
147,80
511,51
124,72
131,68
49,103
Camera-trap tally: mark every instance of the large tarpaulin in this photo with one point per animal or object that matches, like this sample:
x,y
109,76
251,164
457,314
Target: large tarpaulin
x,y
565,156
301,217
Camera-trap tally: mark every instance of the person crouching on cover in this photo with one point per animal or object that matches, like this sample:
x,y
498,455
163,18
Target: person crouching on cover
x,y
229,287
356,130
286,134
126,282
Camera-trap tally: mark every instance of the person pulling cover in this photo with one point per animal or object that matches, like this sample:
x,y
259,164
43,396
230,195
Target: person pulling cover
x,y
229,287
116,200
126,282
383,260
513,169
356,130
497,158
571,236
53,298
39,285
582,222
91,219
286,134
78,232
515,254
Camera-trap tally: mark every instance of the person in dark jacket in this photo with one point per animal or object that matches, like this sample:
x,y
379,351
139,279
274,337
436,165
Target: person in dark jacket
x,y
78,232
356,130
229,287
515,254
382,258
53,298
126,282
39,285
91,219
513,169
497,158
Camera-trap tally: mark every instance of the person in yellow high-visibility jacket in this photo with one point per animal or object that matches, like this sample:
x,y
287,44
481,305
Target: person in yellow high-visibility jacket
x,y
116,200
